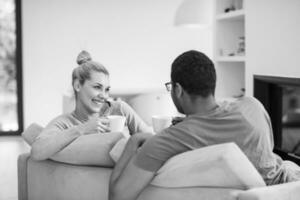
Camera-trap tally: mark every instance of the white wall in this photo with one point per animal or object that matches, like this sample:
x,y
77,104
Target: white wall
x,y
134,39
272,39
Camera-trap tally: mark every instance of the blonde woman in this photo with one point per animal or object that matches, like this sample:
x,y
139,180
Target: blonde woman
x,y
90,81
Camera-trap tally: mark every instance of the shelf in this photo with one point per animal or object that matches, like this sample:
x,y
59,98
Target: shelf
x,y
233,15
230,59
229,27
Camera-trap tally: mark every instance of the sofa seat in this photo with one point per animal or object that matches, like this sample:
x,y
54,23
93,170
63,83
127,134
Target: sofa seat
x,y
51,180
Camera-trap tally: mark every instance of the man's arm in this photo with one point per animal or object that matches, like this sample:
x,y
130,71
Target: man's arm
x,y
127,181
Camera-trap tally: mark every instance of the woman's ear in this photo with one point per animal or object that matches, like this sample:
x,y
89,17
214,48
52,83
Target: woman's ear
x,y
77,85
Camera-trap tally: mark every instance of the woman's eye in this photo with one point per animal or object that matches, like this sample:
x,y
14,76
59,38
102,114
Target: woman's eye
x,y
107,90
98,87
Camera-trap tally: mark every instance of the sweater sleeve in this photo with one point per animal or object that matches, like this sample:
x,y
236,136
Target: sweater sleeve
x,y
56,135
134,122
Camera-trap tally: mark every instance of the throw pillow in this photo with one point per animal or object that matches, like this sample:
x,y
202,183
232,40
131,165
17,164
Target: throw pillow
x,y
90,149
222,165
118,149
30,133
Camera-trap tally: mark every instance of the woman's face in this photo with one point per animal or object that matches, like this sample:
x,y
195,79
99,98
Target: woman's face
x,y
93,93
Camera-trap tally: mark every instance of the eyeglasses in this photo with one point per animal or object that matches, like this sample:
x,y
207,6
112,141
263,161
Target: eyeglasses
x,y
168,86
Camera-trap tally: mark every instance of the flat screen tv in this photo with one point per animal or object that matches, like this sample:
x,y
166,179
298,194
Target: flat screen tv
x,y
281,98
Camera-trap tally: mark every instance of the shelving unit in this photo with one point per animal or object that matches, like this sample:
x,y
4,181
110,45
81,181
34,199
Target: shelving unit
x,y
229,47
232,15
230,59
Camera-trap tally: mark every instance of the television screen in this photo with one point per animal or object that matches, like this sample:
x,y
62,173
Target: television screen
x,y
290,129
281,98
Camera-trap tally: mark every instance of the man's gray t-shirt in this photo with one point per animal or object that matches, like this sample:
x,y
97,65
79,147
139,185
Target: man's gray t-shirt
x,y
244,122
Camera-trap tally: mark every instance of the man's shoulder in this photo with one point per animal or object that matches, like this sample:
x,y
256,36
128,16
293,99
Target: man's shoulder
x,y
249,99
242,101
249,103
253,112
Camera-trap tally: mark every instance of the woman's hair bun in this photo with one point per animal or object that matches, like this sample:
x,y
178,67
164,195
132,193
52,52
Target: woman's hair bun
x,y
83,57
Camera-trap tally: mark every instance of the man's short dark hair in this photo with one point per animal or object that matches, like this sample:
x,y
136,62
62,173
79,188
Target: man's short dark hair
x,y
195,72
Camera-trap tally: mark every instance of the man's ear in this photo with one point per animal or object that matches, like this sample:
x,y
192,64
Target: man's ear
x,y
178,90
77,85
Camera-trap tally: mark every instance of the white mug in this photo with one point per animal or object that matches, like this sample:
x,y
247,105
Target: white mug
x,y
116,123
161,122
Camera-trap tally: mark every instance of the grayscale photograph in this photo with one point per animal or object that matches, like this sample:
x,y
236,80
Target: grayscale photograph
x,y
149,99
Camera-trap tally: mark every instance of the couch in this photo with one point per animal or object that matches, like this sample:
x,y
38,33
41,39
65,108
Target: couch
x,y
217,172
50,180
81,172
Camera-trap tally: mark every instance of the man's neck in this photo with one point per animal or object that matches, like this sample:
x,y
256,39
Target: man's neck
x,y
200,105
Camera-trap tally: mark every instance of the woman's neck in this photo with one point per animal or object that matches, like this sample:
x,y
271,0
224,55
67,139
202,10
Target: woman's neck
x,y
82,114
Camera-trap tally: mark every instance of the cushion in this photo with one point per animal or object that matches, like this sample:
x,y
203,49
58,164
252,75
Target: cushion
x,y
118,149
290,191
90,149
30,133
222,165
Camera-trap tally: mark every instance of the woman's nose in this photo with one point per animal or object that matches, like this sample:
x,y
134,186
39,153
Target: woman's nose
x,y
103,94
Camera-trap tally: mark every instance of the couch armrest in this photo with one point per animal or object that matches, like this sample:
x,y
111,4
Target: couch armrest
x,y
286,191
22,176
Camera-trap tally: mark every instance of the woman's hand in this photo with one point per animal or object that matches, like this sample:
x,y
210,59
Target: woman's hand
x,y
94,125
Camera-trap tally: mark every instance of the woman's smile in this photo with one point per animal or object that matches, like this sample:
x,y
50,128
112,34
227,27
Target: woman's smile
x,y
98,101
